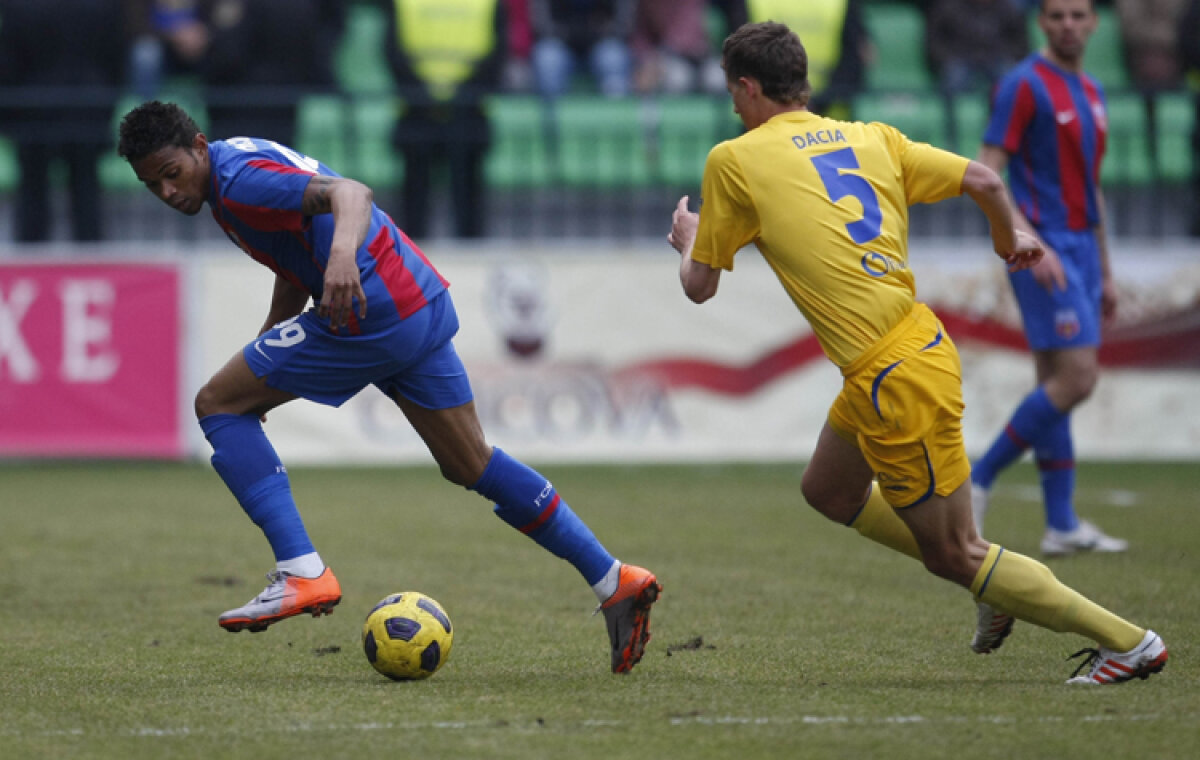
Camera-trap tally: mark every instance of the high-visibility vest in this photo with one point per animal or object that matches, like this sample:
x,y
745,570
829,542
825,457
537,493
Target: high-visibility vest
x,y
445,39
819,25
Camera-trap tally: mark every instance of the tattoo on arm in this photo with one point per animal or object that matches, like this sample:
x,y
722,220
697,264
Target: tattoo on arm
x,y
316,196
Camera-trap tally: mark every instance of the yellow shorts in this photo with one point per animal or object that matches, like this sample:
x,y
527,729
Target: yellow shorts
x,y
901,404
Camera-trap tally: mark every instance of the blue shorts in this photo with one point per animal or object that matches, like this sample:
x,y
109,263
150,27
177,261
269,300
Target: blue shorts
x,y
1064,318
414,357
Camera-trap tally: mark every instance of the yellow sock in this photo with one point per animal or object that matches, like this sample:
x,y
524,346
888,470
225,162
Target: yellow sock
x,y
1026,589
878,521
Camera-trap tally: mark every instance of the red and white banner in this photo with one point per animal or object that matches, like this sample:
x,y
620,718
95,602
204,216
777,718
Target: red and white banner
x,y
574,356
597,356
90,360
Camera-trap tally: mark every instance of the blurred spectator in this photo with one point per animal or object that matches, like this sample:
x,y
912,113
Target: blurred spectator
x,y
835,36
671,48
1150,45
62,64
1189,51
518,70
167,37
262,56
595,32
180,25
972,43
1150,38
446,56
145,49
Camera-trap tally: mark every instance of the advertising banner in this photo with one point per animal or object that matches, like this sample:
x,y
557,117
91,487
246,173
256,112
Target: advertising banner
x,y
598,356
90,360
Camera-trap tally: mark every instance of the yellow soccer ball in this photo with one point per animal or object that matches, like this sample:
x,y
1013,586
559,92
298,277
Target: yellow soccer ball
x,y
407,636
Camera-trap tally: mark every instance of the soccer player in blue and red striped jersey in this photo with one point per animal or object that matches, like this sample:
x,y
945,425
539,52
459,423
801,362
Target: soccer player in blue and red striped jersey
x,y
1048,128
382,316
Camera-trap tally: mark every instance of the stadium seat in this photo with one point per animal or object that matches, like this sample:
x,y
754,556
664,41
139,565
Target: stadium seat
x,y
920,117
374,161
1173,141
1104,57
321,128
600,142
970,112
687,128
9,173
898,33
1127,157
115,173
518,156
360,62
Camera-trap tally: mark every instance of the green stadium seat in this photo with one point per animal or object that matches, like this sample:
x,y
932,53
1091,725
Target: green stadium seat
x,y
1176,114
116,174
970,112
1127,157
370,150
601,142
518,155
321,128
898,33
688,127
10,174
716,28
1104,57
920,117
360,62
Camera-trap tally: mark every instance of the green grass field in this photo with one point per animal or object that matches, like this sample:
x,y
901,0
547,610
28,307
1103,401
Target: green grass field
x,y
813,641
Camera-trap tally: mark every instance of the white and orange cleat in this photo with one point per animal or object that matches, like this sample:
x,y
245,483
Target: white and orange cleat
x,y
286,595
991,629
1109,667
627,615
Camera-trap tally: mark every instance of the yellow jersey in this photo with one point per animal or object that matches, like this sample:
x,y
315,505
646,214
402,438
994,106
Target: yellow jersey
x,y
826,202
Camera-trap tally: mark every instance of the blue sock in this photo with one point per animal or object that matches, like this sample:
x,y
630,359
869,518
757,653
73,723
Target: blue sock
x,y
248,464
528,502
1033,417
1055,454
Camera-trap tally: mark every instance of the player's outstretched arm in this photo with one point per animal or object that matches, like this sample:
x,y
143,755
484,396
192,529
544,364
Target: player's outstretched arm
x,y
350,204
1048,271
1018,248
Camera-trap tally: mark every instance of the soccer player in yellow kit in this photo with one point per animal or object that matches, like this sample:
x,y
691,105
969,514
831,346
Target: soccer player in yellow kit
x,y
826,203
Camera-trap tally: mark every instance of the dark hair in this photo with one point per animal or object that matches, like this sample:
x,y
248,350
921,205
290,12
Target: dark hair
x,y
153,126
772,54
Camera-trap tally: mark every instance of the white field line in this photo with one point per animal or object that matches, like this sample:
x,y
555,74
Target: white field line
x,y
604,723
1113,497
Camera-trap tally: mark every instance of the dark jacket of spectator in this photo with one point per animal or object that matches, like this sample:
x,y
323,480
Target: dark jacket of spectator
x,y
62,64
974,39
444,120
1150,31
274,51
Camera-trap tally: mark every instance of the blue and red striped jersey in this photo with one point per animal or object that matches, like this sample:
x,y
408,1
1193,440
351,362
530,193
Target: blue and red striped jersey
x,y
256,193
1053,124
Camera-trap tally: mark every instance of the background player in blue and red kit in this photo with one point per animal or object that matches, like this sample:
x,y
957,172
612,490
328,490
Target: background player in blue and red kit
x,y
1048,127
382,316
